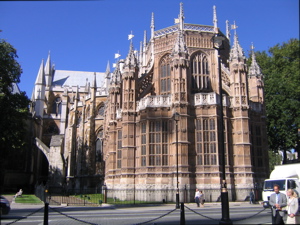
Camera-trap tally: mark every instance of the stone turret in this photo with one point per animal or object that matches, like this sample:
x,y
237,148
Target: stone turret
x,y
238,68
180,63
240,110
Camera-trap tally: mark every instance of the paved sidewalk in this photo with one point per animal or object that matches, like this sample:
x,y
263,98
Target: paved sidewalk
x,y
15,205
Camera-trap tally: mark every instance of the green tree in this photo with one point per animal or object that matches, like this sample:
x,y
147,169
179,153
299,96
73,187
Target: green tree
x,y
280,67
14,109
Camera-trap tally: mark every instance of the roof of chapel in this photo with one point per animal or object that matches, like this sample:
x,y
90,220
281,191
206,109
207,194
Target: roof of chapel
x,y
76,78
186,27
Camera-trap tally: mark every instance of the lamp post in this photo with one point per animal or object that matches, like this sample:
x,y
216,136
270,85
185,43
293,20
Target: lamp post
x,y
176,118
218,45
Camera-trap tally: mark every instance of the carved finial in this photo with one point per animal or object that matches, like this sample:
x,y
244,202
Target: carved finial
x,y
215,20
116,77
130,36
254,69
117,55
234,27
141,53
152,26
107,68
181,16
94,85
145,39
236,50
227,30
131,58
131,47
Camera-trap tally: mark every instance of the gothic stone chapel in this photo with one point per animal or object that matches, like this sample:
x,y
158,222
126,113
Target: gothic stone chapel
x,y
119,128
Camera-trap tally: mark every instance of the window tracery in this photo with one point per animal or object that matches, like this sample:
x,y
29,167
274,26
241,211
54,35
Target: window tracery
x,y
156,144
206,142
165,75
200,73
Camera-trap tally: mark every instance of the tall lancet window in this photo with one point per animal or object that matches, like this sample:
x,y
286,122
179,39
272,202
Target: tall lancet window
x,y
200,73
165,75
99,150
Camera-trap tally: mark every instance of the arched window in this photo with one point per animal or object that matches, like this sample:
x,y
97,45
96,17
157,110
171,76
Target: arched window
x,y
56,106
165,75
200,73
99,151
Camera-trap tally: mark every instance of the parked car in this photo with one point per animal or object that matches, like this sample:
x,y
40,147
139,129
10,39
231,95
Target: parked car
x,y
4,206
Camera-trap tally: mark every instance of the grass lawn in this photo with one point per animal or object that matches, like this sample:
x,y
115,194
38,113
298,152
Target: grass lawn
x,y
32,199
94,198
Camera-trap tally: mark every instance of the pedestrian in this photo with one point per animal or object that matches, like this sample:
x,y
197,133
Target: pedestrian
x,y
251,197
19,193
202,199
277,201
197,197
292,207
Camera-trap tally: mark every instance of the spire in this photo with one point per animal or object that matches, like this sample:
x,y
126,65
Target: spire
x,y
215,20
94,84
48,65
141,54
130,60
254,69
236,51
145,39
181,17
152,26
41,75
107,72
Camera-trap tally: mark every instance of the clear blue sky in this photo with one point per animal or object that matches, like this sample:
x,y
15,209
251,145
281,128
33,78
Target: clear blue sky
x,y
85,35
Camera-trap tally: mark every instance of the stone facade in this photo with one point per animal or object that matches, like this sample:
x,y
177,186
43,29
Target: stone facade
x,y
122,132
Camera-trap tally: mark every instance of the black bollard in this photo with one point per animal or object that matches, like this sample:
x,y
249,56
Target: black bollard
x,y
46,213
182,216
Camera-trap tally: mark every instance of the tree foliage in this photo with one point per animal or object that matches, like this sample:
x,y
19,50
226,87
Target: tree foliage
x,y
280,67
13,105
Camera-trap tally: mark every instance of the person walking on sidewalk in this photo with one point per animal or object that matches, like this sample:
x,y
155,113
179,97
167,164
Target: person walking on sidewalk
x,y
202,199
251,197
197,197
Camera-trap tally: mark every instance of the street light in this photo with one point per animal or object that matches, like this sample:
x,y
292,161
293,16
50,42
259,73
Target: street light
x,y
218,45
176,118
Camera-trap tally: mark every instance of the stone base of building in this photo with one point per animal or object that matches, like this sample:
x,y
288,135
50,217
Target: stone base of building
x,y
157,193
